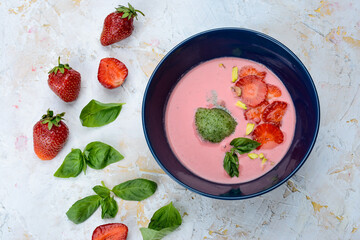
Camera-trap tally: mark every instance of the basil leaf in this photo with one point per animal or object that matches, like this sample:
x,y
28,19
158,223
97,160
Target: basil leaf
x,y
166,217
135,190
99,155
72,166
164,221
102,191
244,145
83,209
109,207
231,164
85,165
151,234
97,114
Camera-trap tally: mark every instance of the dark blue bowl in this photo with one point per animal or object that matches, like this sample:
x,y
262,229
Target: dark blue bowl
x,y
231,42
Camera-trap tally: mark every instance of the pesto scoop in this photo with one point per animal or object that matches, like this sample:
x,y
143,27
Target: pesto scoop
x,y
214,124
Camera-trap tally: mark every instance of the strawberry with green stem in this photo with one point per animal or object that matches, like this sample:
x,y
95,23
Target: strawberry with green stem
x,y
65,82
119,24
50,134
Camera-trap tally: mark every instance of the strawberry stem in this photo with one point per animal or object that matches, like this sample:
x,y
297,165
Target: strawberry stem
x,y
61,67
52,120
128,12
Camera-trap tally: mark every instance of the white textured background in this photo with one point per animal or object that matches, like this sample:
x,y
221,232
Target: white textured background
x,y
320,202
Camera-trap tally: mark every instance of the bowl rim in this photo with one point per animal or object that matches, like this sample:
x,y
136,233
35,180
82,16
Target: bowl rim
x,y
273,40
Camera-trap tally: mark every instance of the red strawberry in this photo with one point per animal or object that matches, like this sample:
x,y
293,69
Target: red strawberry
x,y
111,231
268,135
254,114
65,82
249,70
253,90
50,135
273,91
274,112
118,25
112,73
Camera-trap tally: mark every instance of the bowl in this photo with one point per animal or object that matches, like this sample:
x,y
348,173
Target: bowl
x,y
231,42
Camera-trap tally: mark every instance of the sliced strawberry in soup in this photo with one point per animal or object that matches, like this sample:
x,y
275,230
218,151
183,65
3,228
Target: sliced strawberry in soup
x,y
268,135
255,114
249,70
253,90
273,91
274,112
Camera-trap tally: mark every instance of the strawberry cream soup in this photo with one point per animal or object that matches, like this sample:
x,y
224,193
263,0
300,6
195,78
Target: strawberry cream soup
x,y
269,118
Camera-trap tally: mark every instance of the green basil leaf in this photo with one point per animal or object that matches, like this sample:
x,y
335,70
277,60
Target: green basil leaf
x,y
244,145
109,207
164,221
166,217
135,190
85,165
102,191
83,209
99,155
97,114
72,166
151,234
231,164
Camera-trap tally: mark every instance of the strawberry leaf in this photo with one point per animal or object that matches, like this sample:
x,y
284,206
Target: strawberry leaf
x,y
128,12
60,67
51,120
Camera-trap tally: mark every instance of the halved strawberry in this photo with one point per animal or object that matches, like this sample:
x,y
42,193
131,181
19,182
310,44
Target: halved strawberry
x,y
249,70
274,112
112,73
111,231
268,135
253,90
254,114
273,91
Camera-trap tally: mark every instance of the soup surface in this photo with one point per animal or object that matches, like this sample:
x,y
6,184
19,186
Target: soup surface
x,y
209,85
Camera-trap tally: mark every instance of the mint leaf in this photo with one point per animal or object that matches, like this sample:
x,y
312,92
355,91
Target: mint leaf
x,y
99,155
135,190
72,166
109,207
231,164
164,221
83,209
97,114
244,145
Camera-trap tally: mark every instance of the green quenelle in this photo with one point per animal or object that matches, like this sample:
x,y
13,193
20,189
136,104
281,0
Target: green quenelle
x,y
214,124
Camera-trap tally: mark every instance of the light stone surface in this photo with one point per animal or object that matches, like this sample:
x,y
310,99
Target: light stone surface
x,y
320,202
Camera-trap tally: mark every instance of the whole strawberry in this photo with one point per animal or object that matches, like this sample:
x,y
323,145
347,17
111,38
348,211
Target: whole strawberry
x,y
119,25
65,82
50,135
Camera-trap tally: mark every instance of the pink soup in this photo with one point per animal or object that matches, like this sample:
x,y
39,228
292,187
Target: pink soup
x,y
209,85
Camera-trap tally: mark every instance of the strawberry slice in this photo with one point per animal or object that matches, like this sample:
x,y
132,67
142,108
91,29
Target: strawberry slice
x,y
249,70
274,112
253,90
255,114
268,135
112,73
111,231
273,91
